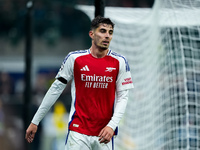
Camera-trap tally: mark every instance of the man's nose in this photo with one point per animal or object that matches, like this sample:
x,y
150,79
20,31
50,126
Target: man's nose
x,y
107,35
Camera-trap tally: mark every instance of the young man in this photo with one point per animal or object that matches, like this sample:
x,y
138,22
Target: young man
x,y
100,82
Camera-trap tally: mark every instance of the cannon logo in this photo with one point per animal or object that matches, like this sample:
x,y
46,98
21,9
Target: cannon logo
x,y
109,69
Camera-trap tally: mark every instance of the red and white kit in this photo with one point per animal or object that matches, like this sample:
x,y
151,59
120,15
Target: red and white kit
x,y
95,82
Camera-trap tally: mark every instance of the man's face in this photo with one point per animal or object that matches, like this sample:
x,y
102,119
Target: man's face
x,y
102,36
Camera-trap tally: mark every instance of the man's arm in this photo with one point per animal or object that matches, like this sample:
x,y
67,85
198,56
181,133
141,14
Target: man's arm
x,y
49,99
107,132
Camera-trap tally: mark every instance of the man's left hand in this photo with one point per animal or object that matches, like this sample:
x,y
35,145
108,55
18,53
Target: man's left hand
x,y
106,135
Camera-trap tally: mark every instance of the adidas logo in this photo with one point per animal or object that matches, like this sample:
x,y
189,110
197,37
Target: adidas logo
x,y
85,68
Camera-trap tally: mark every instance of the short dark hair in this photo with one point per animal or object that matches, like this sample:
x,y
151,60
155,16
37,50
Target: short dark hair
x,y
99,20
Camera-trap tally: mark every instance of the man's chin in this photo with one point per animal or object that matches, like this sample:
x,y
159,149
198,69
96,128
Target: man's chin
x,y
103,47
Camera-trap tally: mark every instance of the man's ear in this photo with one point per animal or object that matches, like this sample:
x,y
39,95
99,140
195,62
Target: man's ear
x,y
91,34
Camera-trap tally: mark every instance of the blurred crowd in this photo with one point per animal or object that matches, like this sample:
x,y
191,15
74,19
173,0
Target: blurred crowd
x,y
53,22
11,106
57,14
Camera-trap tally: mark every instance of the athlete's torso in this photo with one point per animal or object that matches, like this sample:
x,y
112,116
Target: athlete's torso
x,y
93,90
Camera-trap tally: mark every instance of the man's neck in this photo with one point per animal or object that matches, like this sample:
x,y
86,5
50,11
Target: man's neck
x,y
98,53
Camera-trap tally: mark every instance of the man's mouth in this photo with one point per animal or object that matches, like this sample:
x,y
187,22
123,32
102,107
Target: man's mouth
x,y
105,42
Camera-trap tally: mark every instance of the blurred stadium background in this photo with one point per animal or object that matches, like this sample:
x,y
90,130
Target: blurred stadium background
x,y
161,41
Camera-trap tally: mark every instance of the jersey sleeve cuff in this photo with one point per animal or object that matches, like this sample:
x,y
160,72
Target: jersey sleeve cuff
x,y
112,125
35,122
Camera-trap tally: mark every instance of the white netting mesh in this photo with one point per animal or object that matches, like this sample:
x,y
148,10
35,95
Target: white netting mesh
x,y
162,46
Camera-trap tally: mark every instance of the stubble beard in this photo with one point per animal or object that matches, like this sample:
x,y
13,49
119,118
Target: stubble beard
x,y
102,47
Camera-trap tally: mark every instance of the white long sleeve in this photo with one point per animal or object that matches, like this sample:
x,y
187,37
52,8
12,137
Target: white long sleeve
x,y
120,106
49,99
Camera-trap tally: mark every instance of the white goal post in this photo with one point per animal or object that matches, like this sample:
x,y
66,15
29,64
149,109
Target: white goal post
x,y
162,46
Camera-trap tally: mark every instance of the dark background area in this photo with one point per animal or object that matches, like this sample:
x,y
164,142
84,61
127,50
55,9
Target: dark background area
x,y
58,14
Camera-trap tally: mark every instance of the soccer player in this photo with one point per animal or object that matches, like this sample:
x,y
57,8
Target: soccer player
x,y
101,80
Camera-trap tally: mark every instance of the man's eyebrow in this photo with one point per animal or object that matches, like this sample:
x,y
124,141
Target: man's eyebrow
x,y
106,29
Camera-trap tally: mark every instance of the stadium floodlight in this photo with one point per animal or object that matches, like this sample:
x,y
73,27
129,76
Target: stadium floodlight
x,y
162,46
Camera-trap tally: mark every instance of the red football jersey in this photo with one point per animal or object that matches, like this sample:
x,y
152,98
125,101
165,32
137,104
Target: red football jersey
x,y
94,83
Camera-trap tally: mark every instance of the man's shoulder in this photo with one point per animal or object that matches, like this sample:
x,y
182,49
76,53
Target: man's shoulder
x,y
121,58
78,52
75,54
118,56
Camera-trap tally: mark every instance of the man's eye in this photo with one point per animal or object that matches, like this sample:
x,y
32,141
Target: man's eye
x,y
111,32
102,31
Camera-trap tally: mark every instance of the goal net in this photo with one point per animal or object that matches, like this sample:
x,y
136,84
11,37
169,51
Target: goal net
x,y
162,46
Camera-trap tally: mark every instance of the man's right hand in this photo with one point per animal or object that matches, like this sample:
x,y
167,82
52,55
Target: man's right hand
x,y
30,132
